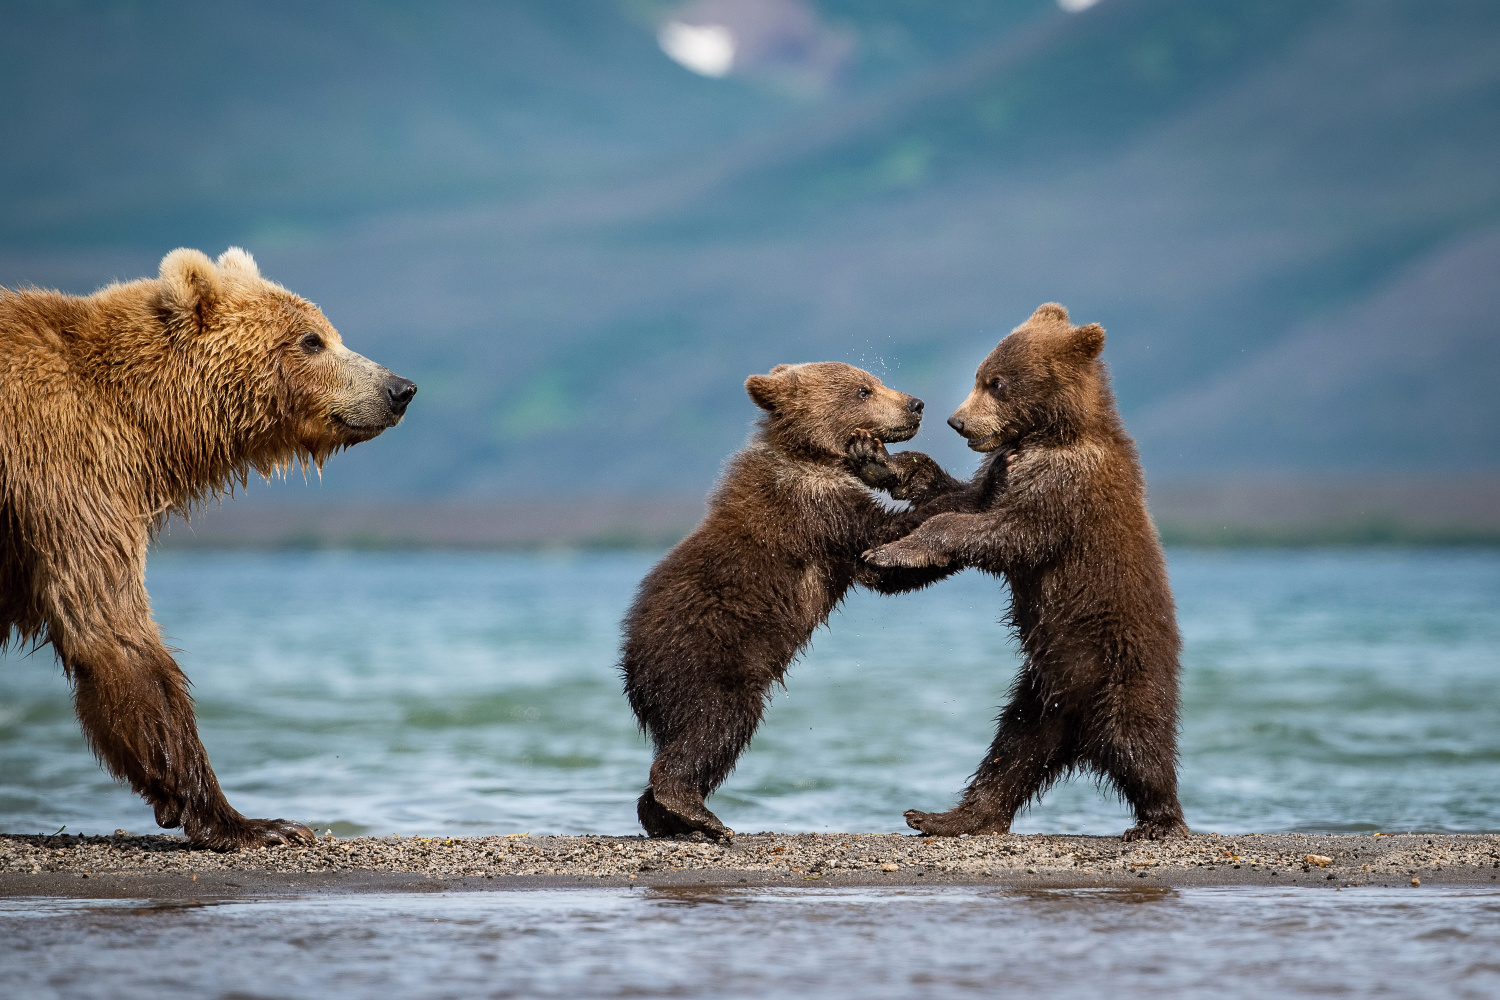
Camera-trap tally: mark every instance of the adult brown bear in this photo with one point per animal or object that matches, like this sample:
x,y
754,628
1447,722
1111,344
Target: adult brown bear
x,y
1059,509
125,406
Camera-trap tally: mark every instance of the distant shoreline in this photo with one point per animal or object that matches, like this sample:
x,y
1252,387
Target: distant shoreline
x,y
125,866
1242,512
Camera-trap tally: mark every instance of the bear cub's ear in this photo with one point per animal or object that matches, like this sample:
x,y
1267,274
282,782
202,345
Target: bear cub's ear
x,y
191,281
1088,341
239,260
769,391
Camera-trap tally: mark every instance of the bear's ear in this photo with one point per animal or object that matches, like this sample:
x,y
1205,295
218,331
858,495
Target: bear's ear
x,y
770,391
1050,310
1088,341
239,260
192,282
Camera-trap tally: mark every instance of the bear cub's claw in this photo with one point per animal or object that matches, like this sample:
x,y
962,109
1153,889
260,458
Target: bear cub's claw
x,y
953,823
687,819
1157,830
253,833
904,553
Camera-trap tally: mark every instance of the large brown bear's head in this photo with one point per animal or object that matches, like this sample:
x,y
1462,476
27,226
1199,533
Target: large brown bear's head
x,y
1045,376
276,372
815,408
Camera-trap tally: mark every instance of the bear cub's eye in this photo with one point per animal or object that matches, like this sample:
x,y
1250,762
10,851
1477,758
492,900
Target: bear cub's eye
x,y
997,386
862,393
311,343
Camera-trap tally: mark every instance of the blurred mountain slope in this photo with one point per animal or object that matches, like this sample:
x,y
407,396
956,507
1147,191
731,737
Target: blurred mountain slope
x,y
138,119
1340,391
581,293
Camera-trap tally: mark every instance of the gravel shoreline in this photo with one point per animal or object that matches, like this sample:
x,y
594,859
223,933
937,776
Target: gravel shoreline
x,y
123,864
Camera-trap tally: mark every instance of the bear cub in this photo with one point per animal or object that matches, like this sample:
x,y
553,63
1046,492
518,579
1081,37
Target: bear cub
x,y
722,616
1067,527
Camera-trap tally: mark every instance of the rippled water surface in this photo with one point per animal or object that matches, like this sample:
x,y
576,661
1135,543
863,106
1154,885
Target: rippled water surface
x,y
868,943
464,694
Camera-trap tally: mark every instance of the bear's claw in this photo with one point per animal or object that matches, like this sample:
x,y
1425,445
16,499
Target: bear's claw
x,y
905,555
252,833
953,823
658,820
1157,830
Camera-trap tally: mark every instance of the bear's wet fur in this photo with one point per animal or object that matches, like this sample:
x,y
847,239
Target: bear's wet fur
x,y
119,409
717,622
1067,526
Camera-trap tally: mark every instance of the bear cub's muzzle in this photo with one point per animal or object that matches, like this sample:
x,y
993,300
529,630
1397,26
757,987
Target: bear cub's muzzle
x,y
903,431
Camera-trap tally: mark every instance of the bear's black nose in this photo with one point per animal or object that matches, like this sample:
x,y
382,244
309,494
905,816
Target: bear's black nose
x,y
398,392
915,406
956,423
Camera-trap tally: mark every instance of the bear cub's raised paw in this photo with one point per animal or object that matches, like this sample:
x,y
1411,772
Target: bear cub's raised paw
x,y
906,475
866,457
908,553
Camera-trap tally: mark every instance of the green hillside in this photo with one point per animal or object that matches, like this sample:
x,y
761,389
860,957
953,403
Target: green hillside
x,y
579,249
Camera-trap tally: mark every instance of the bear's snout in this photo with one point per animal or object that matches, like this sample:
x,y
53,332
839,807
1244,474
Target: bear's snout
x,y
915,405
956,422
398,393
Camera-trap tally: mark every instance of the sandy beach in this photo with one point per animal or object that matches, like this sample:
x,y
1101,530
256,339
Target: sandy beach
x,y
162,866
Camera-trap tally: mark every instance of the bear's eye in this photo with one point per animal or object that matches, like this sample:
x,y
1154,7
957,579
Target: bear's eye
x,y
862,393
997,386
311,343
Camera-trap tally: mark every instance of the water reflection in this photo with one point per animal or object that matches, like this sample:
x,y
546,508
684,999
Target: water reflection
x,y
692,942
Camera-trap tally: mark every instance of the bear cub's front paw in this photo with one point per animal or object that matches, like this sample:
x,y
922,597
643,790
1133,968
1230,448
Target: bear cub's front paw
x,y
906,554
866,457
920,478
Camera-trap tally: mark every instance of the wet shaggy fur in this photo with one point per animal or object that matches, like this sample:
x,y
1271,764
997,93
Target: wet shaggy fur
x,y
1059,509
722,616
120,408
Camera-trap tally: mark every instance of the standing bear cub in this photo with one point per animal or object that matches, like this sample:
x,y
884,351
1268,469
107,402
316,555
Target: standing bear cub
x,y
118,409
1092,607
722,616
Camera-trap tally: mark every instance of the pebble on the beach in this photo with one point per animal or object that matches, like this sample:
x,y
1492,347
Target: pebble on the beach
x,y
1319,860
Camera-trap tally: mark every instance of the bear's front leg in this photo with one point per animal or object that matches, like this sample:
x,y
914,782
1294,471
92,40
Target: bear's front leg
x,y
937,541
135,710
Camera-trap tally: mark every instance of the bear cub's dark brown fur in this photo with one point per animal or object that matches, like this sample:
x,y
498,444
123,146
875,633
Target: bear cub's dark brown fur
x,y
722,616
1068,528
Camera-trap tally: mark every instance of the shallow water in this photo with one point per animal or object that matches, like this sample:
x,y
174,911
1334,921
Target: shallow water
x,y
463,694
869,943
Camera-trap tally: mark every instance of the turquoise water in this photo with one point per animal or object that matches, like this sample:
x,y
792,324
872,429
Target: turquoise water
x,y
464,694
867,943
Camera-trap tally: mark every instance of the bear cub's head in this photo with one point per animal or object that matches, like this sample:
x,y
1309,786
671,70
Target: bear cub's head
x,y
273,359
1045,376
814,409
